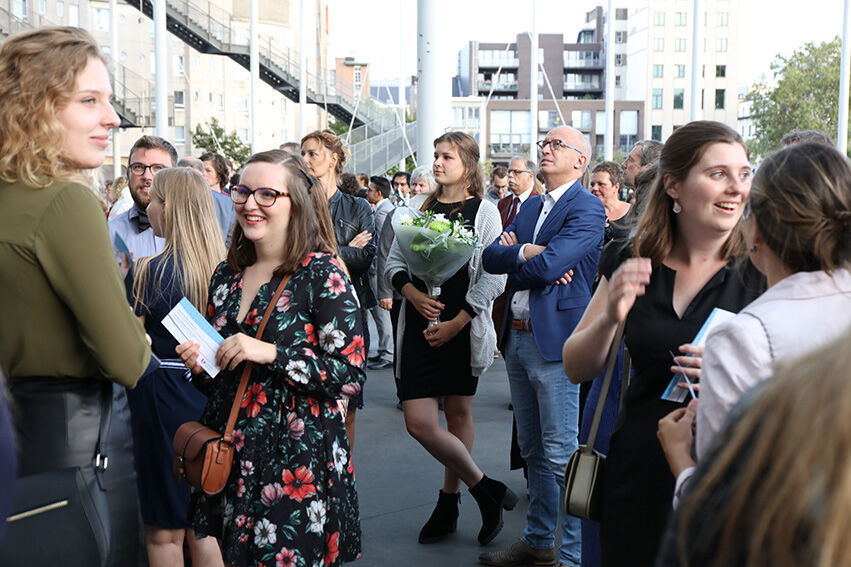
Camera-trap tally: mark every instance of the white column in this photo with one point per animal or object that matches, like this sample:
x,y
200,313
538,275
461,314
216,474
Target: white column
x,y
435,66
161,66
302,67
113,50
844,64
402,97
696,59
254,65
608,138
533,87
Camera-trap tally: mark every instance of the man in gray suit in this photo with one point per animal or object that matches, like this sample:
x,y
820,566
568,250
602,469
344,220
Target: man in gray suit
x,y
377,194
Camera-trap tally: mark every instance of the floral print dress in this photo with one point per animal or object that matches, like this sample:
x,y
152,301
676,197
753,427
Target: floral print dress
x,y
290,500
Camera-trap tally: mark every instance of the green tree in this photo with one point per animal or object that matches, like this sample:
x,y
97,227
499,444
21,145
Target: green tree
x,y
806,96
231,146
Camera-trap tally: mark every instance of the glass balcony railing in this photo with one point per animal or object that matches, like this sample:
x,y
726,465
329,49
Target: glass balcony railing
x,y
500,85
572,60
582,85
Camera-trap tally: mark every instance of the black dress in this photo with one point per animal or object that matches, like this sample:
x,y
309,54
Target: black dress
x,y
428,372
161,402
638,485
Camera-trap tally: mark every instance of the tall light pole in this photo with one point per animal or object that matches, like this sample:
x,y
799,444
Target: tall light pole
x,y
533,87
161,67
844,64
696,53
254,66
434,77
608,137
402,97
302,68
113,51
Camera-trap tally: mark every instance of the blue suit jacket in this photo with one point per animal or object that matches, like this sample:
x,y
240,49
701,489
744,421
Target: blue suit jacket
x,y
573,236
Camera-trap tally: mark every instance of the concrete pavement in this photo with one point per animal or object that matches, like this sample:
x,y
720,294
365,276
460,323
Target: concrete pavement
x,y
398,481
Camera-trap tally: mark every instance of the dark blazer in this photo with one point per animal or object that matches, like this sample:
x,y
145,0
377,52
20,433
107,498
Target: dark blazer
x,y
573,236
384,289
351,216
504,206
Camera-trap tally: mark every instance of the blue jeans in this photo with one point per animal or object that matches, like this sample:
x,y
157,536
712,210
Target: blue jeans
x,y
546,407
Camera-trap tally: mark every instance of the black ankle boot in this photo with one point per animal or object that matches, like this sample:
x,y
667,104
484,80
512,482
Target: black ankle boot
x,y
443,520
492,497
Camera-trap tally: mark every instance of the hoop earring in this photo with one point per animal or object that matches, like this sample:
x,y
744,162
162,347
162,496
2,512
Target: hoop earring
x,y
677,208
752,249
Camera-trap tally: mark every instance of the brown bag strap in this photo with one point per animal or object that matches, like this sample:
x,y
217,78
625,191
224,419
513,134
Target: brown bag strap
x,y
588,448
246,372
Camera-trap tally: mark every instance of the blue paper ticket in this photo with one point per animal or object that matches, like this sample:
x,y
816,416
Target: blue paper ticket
x,y
185,323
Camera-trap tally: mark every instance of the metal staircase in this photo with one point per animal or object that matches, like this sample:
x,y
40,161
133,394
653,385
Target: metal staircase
x,y
376,140
133,96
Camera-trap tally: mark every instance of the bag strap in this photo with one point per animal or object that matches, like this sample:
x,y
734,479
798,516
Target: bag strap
x,y
101,459
246,372
627,361
610,367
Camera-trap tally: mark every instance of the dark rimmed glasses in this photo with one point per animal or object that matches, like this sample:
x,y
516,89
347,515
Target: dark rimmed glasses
x,y
518,171
556,145
139,168
263,196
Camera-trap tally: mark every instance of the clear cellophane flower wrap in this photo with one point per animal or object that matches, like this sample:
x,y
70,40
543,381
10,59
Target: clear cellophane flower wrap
x,y
434,247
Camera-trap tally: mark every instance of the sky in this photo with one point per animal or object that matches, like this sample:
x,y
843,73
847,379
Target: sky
x,y
369,30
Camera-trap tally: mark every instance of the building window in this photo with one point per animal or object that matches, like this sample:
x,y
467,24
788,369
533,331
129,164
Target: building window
x,y
60,9
720,70
659,44
509,132
242,104
540,79
196,62
179,99
242,133
619,59
197,96
210,96
658,71
722,19
681,71
581,119
42,6
617,80
19,10
678,99
358,77
680,44
620,37
628,129
658,18
73,15
178,65
221,101
719,99
123,56
101,18
656,132
657,99
722,44
284,106
682,18
180,134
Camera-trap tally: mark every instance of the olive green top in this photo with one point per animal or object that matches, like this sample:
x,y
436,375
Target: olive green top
x,y
63,308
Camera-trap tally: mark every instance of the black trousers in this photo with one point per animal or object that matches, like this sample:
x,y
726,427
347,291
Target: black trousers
x,y
56,423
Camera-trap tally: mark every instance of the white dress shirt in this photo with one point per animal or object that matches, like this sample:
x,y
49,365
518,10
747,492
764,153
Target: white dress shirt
x,y
520,301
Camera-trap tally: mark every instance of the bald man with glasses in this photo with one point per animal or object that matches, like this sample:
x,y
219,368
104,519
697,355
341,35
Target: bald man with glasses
x,y
552,234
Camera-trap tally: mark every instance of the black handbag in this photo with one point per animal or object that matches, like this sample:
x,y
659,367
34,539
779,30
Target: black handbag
x,y
583,476
62,517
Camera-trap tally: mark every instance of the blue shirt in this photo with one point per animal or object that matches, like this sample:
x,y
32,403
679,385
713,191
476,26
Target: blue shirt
x,y
225,214
140,243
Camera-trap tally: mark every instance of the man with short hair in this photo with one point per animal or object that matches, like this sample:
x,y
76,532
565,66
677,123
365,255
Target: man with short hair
x,y
363,181
642,155
802,136
148,155
292,148
402,187
498,184
225,213
554,233
377,195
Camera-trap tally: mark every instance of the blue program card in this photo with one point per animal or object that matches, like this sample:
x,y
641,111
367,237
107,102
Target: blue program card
x,y
121,248
673,392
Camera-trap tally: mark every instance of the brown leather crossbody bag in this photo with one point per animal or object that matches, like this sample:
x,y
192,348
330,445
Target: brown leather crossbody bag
x,y
203,456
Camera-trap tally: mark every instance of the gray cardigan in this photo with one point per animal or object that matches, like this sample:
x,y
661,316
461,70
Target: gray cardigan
x,y
484,288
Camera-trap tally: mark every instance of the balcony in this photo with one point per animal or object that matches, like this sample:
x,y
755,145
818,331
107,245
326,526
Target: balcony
x,y
572,60
496,62
499,86
592,85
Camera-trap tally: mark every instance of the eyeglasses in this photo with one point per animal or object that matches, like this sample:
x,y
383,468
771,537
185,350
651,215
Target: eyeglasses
x,y
139,168
518,171
263,196
556,145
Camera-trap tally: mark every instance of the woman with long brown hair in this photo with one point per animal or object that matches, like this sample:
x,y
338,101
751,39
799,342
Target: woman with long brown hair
x,y
686,260
290,498
66,333
447,358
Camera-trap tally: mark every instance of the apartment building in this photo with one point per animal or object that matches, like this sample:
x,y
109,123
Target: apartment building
x,y
570,90
658,52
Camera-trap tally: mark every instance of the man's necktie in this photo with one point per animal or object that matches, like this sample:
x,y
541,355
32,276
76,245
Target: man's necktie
x,y
512,212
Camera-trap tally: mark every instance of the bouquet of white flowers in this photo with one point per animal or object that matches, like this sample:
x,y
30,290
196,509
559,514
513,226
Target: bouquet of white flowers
x,y
434,247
